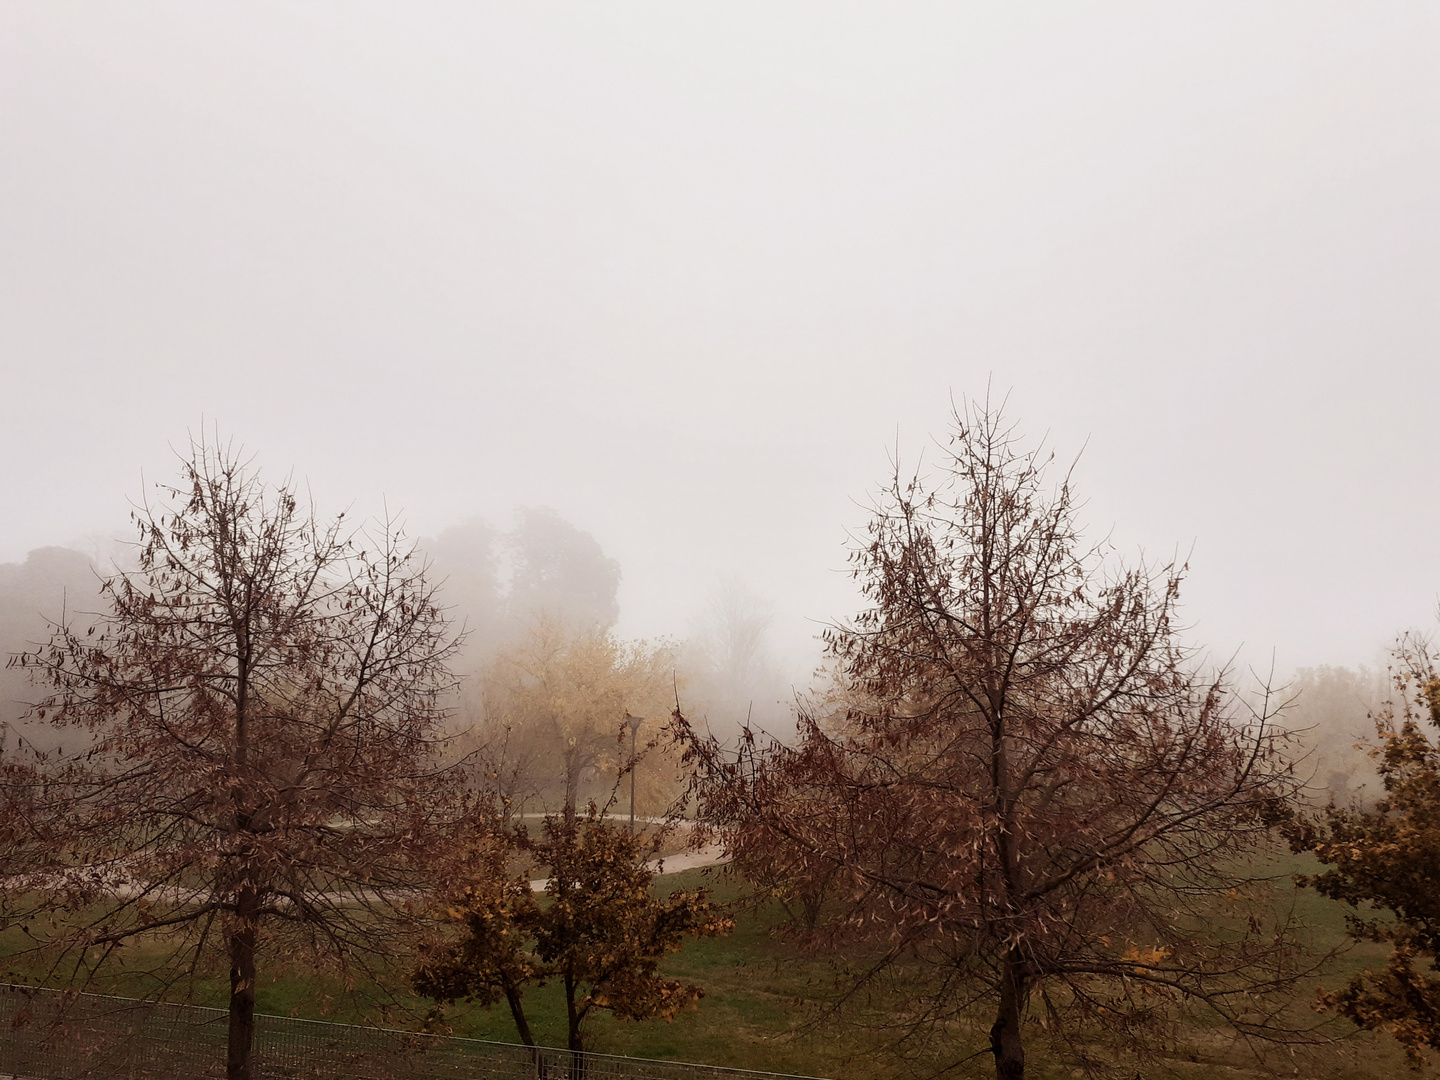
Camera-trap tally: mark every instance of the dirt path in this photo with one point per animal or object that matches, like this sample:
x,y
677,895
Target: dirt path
x,y
710,855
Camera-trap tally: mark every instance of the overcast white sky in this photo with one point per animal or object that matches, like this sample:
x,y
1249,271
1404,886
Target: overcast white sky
x,y
685,273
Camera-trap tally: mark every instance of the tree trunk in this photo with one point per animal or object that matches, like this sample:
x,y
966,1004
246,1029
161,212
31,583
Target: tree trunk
x,y
238,1064
1005,1042
517,1012
572,1014
576,1041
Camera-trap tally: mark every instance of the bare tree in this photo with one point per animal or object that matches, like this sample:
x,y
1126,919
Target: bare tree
x,y
29,593
1031,803
263,699
1330,716
731,675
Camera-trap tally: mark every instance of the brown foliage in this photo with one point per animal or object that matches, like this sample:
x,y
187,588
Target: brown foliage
x,y
262,696
1387,859
1029,801
600,932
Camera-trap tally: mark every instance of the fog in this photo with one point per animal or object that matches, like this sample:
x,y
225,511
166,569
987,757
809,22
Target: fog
x,y
687,275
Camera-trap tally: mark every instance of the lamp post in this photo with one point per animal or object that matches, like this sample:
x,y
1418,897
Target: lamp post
x,y
634,722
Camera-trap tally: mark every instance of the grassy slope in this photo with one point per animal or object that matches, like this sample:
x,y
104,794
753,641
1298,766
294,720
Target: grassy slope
x,y
760,992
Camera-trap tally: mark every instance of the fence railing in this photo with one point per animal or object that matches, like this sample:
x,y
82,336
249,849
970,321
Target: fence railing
x,y
55,1035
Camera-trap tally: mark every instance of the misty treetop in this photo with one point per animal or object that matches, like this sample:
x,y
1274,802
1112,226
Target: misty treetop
x,y
543,569
52,584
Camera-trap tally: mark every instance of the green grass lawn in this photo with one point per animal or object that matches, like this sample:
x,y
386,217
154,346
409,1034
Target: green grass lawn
x,y
763,998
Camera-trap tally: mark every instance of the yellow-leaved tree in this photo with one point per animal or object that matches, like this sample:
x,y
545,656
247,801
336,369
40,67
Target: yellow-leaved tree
x,y
561,716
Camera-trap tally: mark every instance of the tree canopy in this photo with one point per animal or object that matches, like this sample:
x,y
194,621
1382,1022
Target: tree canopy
x,y
552,718
600,932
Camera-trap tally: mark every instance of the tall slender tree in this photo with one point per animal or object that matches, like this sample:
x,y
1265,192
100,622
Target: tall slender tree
x,y
1031,801
263,700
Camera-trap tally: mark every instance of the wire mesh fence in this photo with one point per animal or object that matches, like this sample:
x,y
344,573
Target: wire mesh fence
x,y
54,1035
